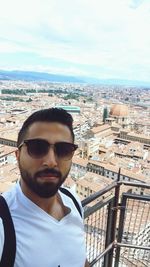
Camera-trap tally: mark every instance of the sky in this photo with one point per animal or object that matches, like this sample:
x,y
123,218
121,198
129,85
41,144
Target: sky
x,y
105,39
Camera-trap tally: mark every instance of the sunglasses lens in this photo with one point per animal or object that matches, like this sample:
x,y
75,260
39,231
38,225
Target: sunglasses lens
x,y
65,150
37,148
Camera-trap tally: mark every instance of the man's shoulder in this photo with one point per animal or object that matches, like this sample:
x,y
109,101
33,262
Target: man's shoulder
x,y
9,195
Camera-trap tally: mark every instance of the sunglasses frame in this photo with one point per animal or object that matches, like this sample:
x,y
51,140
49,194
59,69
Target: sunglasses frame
x,y
26,142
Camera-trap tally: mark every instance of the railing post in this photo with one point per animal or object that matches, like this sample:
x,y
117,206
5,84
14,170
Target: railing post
x,y
111,224
120,230
109,239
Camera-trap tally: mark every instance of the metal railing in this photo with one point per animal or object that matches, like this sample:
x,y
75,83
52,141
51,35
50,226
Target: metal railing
x,y
117,226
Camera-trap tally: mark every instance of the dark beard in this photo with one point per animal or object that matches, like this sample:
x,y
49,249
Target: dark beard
x,y
45,189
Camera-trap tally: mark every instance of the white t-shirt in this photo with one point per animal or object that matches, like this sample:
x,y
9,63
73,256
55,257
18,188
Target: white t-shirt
x,y
42,241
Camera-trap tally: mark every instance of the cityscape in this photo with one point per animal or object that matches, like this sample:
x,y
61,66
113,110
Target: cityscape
x,y
112,130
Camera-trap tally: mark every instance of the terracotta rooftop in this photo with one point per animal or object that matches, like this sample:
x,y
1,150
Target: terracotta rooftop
x,y
100,128
80,161
5,150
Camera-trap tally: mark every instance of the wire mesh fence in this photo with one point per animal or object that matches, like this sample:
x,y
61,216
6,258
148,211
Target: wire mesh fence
x,y
95,227
128,238
131,257
134,232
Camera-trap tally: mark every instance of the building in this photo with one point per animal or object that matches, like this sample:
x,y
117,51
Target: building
x,y
70,109
90,184
120,114
7,155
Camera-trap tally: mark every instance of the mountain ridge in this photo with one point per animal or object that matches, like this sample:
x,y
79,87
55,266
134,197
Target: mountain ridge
x,y
44,76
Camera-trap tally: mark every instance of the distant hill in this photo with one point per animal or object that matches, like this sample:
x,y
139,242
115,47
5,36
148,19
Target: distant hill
x,y
42,76
36,76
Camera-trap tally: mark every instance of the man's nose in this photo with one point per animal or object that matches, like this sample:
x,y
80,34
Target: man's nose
x,y
50,158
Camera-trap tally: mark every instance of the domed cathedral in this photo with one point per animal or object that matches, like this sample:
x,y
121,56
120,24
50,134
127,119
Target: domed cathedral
x,y
119,114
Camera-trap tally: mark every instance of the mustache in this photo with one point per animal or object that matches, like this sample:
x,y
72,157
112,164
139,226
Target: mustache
x,y
48,171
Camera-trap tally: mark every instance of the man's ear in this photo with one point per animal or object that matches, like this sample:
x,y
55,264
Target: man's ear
x,y
17,154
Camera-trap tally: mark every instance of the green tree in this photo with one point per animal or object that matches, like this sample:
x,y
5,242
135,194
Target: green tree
x,y
29,100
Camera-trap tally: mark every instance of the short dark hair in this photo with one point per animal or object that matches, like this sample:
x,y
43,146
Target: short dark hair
x,y
46,115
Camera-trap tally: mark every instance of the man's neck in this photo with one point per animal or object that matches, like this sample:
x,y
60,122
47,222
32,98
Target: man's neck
x,y
53,205
43,203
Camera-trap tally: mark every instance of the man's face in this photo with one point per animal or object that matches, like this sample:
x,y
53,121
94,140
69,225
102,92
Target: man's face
x,y
43,176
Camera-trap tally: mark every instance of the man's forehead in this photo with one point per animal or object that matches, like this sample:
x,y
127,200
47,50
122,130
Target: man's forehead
x,y
51,127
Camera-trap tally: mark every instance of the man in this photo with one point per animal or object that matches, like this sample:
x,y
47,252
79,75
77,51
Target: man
x,y
48,227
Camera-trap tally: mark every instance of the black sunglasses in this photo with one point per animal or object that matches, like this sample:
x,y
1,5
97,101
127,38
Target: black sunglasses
x,y
38,148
